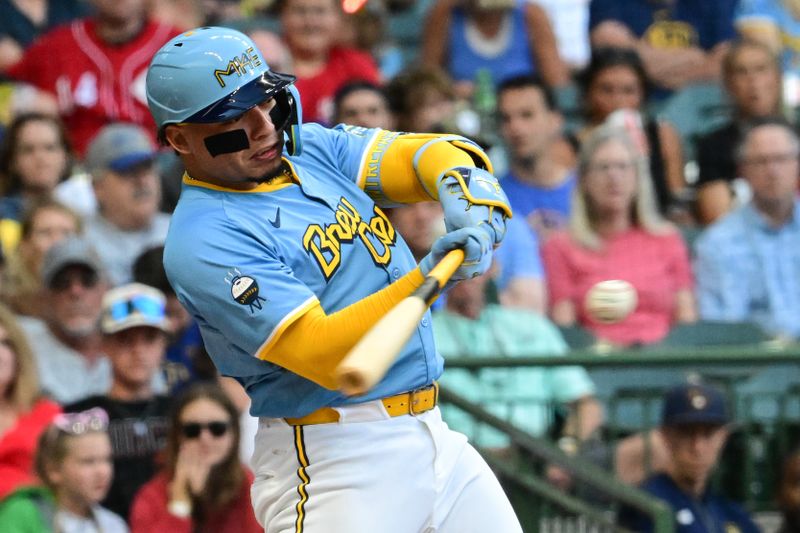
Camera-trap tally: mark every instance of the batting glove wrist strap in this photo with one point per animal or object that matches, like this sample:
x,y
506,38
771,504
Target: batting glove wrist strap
x,y
473,197
477,246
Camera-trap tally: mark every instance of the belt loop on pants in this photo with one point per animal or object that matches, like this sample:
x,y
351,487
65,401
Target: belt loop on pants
x,y
412,403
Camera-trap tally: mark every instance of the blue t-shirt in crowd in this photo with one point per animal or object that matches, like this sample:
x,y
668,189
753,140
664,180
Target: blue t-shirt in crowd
x,y
545,209
678,24
518,256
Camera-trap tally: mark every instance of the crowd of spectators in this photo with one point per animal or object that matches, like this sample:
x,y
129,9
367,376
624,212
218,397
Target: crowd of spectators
x,y
565,95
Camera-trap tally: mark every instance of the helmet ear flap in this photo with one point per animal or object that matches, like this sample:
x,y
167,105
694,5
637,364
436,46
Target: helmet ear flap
x,y
292,132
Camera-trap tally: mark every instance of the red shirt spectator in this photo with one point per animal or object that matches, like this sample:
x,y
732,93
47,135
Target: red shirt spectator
x,y
344,65
656,265
94,81
150,511
616,233
18,445
312,30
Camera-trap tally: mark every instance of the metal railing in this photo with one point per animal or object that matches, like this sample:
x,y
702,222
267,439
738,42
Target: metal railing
x,y
718,362
582,472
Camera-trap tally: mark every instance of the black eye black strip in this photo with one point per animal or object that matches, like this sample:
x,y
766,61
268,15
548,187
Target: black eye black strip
x,y
227,142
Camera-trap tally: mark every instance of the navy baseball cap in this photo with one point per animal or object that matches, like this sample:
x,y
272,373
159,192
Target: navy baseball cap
x,y
119,147
694,404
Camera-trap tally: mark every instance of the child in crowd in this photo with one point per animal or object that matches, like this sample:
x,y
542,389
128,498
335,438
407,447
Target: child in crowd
x,y
74,462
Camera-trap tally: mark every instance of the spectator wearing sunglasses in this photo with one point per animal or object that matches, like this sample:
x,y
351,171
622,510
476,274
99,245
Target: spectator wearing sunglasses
x,y
24,413
134,327
203,485
73,461
67,343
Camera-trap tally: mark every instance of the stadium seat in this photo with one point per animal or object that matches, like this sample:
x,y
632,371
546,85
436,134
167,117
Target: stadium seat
x,y
712,333
577,337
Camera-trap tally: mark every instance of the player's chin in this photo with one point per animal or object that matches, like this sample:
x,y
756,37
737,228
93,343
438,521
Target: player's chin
x,y
258,166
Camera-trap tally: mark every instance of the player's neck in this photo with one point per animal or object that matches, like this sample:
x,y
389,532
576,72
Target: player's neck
x,y
198,175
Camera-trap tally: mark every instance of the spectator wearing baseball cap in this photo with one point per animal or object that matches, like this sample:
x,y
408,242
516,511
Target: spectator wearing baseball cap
x,y
121,161
66,341
695,425
134,327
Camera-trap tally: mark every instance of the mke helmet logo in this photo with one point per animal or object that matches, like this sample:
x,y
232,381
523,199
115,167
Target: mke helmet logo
x,y
238,65
244,290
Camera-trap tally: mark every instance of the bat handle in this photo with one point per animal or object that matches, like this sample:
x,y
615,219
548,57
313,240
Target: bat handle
x,y
445,268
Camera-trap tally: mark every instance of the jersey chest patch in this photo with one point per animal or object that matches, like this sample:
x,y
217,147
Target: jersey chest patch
x,y
324,242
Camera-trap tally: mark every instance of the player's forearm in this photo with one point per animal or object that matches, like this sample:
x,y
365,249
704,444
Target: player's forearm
x,y
411,164
296,350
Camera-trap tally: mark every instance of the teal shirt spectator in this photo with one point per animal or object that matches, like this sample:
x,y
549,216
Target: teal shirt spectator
x,y
524,396
748,270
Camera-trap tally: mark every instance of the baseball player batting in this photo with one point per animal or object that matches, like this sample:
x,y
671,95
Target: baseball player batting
x,y
280,250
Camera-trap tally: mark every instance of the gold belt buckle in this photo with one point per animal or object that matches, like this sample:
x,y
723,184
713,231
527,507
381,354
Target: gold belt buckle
x,y
412,401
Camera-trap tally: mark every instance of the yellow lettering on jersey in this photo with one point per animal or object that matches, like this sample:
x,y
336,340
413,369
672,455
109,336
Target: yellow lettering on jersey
x,y
317,242
382,228
325,244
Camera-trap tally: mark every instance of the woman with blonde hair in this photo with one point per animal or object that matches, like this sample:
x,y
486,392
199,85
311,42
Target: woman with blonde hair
x,y
203,485
24,414
615,232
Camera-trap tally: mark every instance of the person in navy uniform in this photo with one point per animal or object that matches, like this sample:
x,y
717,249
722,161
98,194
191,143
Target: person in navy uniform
x,y
695,425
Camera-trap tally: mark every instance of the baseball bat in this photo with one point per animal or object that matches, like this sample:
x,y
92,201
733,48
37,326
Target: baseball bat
x,y
369,360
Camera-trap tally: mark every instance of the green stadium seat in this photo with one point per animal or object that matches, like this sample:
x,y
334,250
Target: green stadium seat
x,y
577,337
713,333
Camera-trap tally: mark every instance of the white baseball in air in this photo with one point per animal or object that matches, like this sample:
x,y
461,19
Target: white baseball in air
x,y
610,301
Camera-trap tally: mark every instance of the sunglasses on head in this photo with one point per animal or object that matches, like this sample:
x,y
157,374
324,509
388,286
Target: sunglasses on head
x,y
145,305
192,430
95,419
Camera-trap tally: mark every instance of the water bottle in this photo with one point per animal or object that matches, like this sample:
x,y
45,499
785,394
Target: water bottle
x,y
484,101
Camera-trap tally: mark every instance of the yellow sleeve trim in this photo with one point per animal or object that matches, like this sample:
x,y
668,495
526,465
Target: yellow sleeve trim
x,y
313,344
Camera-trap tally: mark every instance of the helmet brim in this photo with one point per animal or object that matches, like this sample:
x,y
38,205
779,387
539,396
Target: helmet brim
x,y
243,99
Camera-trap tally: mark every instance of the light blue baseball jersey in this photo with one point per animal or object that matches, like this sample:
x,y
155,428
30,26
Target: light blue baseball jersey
x,y
245,264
